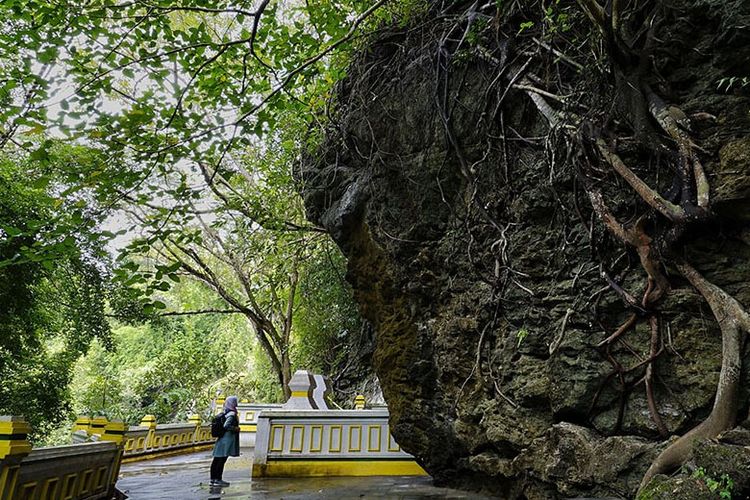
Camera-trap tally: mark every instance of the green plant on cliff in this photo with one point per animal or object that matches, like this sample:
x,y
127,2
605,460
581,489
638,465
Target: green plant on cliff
x,y
557,18
399,13
721,487
521,336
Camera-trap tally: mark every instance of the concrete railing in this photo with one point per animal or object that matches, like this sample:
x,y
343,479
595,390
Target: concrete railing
x,y
149,439
329,443
305,438
248,415
80,471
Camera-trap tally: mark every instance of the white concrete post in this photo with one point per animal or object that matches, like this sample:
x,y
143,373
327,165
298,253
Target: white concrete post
x,y
321,392
301,386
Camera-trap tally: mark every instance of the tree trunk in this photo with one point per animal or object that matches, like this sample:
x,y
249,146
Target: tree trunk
x,y
286,374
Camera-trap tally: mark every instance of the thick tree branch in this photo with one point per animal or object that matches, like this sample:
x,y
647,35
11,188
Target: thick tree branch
x,y
650,196
202,311
610,221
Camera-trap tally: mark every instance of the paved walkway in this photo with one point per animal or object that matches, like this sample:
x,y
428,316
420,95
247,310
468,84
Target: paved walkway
x,y
185,477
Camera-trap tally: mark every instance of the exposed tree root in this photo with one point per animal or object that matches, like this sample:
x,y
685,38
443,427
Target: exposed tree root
x,y
734,322
693,206
648,377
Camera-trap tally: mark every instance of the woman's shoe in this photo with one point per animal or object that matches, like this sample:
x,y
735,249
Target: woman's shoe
x,y
218,482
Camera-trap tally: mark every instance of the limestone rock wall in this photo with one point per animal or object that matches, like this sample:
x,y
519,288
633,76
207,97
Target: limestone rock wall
x,y
484,289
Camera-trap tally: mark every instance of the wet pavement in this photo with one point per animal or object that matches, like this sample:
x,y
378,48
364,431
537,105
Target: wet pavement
x,y
185,477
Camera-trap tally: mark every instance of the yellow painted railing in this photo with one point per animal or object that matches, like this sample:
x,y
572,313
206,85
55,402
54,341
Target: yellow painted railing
x,y
87,470
81,471
299,443
151,440
302,440
248,416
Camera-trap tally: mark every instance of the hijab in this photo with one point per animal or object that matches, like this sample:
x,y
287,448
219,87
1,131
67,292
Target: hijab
x,y
230,404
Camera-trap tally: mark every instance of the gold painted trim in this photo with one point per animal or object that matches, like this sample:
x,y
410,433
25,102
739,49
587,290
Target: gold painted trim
x,y
8,478
331,449
273,440
49,490
69,487
85,486
370,446
248,428
319,446
359,437
101,477
318,468
292,448
28,490
299,394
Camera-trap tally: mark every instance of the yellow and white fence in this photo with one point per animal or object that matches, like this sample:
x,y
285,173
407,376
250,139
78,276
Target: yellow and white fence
x,y
248,415
304,438
81,471
152,440
329,443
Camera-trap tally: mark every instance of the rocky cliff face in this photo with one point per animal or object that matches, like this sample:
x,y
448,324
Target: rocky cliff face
x,y
477,258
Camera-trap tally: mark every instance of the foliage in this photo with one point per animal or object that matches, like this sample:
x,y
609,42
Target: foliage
x,y
182,120
400,14
51,304
192,80
170,369
721,487
327,317
524,26
257,383
557,18
521,336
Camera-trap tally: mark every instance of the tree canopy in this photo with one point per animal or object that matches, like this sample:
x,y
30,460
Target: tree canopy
x,y
53,289
148,143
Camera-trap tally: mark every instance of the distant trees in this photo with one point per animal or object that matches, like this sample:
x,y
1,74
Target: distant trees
x,y
188,118
52,292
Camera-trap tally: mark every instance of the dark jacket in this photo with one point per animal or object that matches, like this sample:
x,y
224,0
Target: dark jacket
x,y
228,445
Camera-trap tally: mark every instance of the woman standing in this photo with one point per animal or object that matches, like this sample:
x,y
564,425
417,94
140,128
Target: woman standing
x,y
227,445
